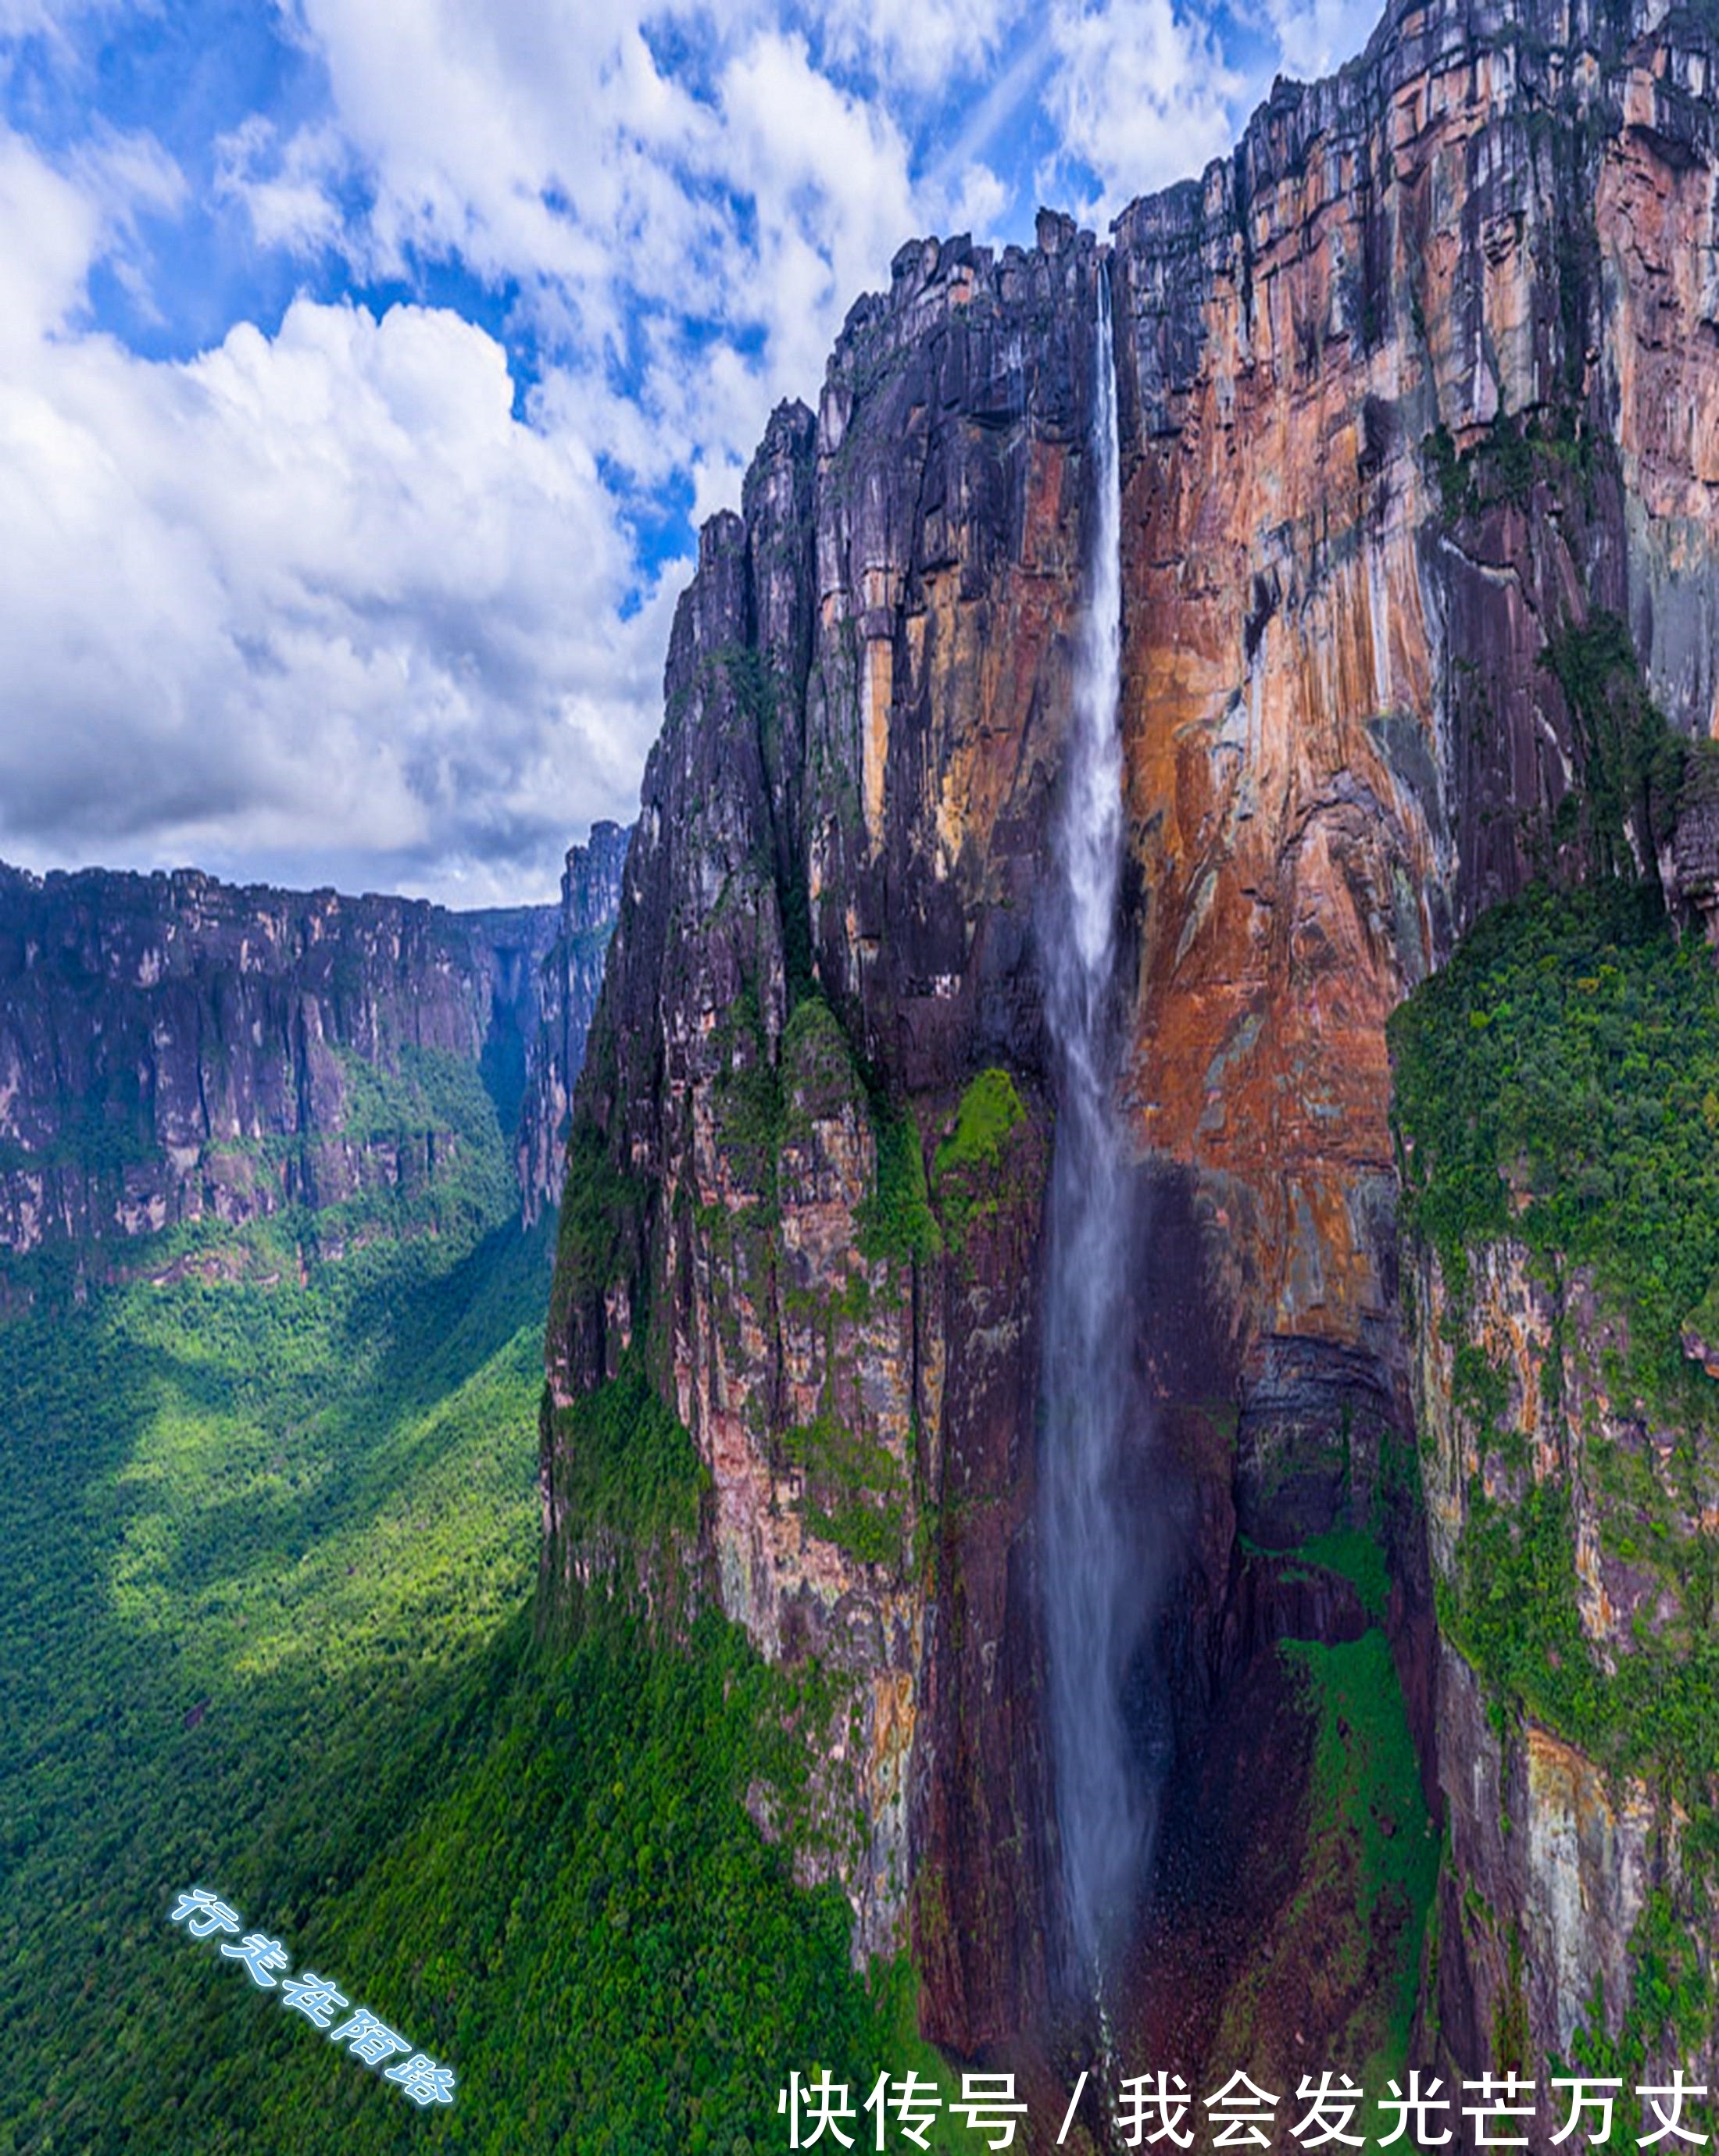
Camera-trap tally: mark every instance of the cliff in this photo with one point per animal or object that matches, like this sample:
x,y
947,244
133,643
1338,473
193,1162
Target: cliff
x,y
1417,406
569,974
1552,1108
174,1050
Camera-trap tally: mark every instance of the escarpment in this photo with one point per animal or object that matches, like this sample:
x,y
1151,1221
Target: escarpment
x,y
570,974
1418,390
174,1050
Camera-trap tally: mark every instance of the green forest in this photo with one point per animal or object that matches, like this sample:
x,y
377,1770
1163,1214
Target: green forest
x,y
270,1527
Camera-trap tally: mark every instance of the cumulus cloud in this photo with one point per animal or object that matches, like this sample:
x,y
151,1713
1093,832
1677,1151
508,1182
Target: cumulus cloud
x,y
702,248
1141,96
318,595
327,589
334,597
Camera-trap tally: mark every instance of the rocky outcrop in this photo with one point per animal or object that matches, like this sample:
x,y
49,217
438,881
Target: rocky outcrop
x,y
1562,1863
789,1023
1416,393
175,1049
569,975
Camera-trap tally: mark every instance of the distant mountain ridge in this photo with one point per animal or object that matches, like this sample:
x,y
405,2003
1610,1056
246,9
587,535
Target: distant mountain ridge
x,y
175,1049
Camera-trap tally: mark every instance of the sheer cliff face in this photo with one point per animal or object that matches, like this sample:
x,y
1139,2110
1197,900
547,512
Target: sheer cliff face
x,y
173,1049
1342,742
1553,1858
569,976
1419,378
825,931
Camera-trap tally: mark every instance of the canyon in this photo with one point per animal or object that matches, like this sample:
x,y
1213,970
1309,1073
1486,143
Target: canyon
x,y
1417,407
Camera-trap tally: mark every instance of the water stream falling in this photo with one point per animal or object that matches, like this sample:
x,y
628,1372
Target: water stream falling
x,y
1091,1598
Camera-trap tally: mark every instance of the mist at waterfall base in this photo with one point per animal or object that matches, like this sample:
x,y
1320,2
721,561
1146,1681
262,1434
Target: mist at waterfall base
x,y
1100,1564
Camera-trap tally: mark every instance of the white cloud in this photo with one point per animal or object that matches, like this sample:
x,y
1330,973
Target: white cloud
x,y
287,186
921,44
546,146
828,175
49,234
51,19
318,595
1141,96
1315,37
688,254
321,595
977,202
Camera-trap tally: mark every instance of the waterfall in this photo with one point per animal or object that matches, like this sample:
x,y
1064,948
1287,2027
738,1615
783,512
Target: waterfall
x,y
1093,1601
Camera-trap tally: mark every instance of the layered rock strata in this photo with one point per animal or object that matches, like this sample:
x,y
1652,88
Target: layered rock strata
x,y
1416,387
569,974
173,1049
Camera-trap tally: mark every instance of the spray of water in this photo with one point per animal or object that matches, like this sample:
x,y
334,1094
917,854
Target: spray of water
x,y
1091,1598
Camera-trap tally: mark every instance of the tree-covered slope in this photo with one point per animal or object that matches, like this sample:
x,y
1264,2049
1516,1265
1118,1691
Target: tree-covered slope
x,y
268,1529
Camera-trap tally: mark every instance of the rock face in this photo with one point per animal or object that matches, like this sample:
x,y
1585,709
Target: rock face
x,y
569,976
1418,390
1563,1876
173,1049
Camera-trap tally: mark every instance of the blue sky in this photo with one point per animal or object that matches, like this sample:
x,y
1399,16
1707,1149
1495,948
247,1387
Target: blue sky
x,y
367,365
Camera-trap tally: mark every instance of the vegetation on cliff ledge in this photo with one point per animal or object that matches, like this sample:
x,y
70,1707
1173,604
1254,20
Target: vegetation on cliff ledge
x,y
1558,1085
972,1164
626,1461
1371,1854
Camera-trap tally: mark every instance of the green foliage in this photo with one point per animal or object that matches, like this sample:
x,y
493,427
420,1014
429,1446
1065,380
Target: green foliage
x,y
1670,2007
1479,1387
819,1078
897,1221
1511,2038
1354,1556
582,1915
1567,1051
1446,467
1511,1610
101,1136
1510,460
972,1164
748,1098
1552,1084
1703,1321
854,1489
626,1462
434,1106
755,690
1631,761
1502,465
1371,1851
602,1210
250,1524
268,1539
1700,775
990,1109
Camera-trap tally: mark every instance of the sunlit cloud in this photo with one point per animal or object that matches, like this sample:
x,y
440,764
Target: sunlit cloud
x,y
361,387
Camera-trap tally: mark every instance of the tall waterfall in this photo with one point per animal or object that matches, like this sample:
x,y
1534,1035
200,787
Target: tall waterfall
x,y
1092,1589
